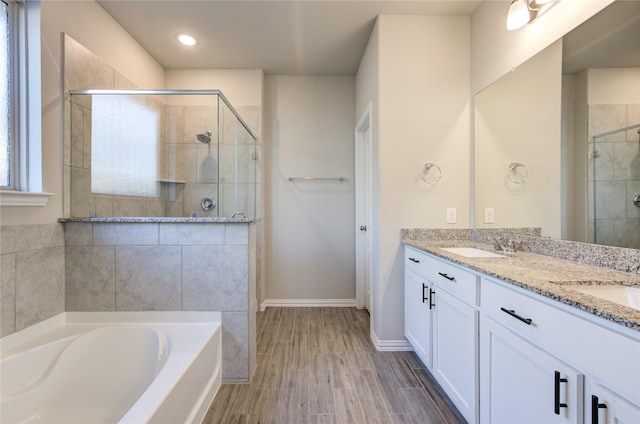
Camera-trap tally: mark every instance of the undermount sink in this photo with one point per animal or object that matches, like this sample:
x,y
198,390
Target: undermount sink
x,y
623,295
471,252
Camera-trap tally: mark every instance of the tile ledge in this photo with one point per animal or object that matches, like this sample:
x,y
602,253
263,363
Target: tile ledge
x,y
119,220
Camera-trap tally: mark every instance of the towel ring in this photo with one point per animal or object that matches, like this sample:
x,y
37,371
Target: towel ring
x,y
427,169
512,174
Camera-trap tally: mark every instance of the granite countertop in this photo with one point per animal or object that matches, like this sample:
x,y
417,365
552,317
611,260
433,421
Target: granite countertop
x,y
133,219
546,276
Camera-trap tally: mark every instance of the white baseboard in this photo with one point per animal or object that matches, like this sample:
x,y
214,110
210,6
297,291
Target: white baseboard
x,y
390,345
307,303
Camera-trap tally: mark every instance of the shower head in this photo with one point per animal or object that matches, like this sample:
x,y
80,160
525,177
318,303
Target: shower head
x,y
204,138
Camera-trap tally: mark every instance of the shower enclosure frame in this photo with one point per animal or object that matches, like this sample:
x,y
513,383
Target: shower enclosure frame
x,y
188,92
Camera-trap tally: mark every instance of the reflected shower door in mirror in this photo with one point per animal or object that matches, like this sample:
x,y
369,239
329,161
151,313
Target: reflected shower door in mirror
x,y
594,180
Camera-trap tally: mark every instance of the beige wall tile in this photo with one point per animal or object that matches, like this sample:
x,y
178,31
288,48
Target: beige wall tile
x,y
129,206
235,346
21,238
7,294
148,278
125,234
78,233
39,285
90,278
192,234
215,278
237,234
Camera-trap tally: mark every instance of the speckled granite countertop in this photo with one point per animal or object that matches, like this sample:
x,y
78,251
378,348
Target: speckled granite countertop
x,y
544,275
120,220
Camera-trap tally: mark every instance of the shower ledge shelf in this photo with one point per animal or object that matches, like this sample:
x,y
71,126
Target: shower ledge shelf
x,y
171,180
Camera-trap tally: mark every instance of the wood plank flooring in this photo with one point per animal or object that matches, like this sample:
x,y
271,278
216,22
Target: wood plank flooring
x,y
318,366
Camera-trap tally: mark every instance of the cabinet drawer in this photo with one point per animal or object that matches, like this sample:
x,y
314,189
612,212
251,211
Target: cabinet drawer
x,y
584,344
457,281
415,260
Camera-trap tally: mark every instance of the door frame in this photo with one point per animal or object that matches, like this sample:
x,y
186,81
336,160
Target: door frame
x,y
363,152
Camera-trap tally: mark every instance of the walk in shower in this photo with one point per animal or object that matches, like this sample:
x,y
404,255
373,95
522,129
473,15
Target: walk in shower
x,y
167,153
614,174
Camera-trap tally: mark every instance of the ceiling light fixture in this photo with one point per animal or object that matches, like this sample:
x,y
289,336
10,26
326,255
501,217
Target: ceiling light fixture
x,y
186,39
522,12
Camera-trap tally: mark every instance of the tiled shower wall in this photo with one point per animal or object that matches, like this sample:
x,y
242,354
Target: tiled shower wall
x,y
32,268
614,175
189,169
169,267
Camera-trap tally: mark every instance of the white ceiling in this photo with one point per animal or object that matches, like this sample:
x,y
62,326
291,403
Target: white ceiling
x,y
311,37
610,39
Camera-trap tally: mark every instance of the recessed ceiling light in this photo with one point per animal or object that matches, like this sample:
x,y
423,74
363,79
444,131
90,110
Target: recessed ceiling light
x,y
186,39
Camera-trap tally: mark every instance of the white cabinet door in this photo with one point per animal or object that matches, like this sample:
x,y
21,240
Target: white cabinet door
x,y
521,383
604,407
417,315
455,347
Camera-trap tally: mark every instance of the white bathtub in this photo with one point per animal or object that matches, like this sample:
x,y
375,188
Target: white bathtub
x,y
124,367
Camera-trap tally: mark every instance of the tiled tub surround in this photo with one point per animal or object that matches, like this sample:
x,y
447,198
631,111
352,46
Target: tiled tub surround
x,y
32,273
123,264
546,268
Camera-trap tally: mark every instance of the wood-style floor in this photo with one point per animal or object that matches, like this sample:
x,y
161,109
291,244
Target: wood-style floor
x,y
318,366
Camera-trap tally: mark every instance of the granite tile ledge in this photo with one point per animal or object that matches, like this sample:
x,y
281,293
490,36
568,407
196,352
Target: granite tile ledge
x,y
126,220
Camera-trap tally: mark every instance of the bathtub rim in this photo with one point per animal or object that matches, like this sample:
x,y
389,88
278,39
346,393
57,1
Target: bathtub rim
x,y
20,339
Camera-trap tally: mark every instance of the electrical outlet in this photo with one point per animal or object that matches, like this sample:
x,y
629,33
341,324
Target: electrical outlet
x,y
451,215
489,215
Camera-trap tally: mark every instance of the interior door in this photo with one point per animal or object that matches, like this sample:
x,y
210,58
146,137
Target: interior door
x,y
363,230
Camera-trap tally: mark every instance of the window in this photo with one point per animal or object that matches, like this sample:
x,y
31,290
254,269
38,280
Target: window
x,y
20,105
6,146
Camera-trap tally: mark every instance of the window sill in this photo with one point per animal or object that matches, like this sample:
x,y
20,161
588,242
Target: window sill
x,y
23,198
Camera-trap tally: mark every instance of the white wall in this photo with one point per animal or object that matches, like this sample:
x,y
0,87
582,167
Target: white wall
x,y
240,86
310,225
91,26
496,51
422,116
613,86
527,132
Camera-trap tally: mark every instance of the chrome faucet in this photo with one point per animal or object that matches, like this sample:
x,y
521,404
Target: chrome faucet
x,y
497,243
514,245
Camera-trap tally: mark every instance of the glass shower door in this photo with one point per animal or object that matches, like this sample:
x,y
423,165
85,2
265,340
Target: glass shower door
x,y
614,179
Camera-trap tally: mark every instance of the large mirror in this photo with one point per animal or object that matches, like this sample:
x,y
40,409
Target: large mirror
x,y
553,147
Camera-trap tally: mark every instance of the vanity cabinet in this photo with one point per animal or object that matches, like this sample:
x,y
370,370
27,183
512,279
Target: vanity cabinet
x,y
542,357
441,323
604,407
504,354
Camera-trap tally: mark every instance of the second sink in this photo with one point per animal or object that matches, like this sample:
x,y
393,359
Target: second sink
x,y
623,295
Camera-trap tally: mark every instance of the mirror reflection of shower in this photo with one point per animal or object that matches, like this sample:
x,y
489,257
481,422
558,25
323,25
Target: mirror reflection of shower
x,y
205,138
